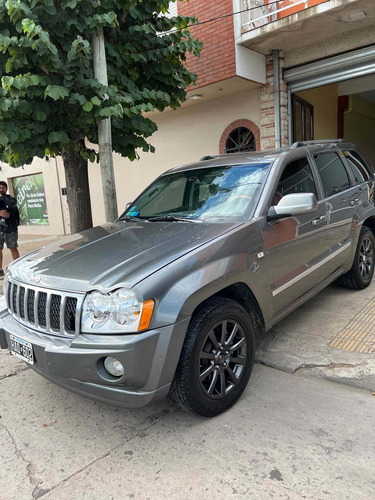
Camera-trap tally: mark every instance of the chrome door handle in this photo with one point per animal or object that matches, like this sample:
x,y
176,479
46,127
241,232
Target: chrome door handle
x,y
319,220
354,203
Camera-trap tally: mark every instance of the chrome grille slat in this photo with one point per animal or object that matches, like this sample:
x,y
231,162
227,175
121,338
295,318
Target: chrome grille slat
x,y
62,315
9,289
36,300
18,301
26,310
78,314
11,297
49,311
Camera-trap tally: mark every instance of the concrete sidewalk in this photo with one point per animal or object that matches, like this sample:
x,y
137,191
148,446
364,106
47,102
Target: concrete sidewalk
x,y
331,336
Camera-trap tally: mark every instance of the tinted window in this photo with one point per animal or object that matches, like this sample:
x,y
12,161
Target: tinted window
x,y
332,172
296,178
357,165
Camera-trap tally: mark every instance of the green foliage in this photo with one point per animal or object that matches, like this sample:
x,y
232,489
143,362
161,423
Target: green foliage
x,y
49,98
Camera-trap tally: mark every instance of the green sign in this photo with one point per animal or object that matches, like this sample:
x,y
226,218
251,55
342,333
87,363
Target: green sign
x,y
31,199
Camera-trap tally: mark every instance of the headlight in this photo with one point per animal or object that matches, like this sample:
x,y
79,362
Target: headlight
x,y
116,312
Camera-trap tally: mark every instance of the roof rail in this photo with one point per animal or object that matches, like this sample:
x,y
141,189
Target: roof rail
x,y
300,144
212,157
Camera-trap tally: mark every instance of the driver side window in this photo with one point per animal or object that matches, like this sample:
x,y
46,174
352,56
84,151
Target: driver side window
x,y
296,178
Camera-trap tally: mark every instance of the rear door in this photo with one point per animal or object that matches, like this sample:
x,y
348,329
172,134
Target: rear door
x,y
342,200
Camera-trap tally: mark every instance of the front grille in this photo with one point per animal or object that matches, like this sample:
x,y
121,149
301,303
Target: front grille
x,y
30,306
55,312
52,312
42,306
70,313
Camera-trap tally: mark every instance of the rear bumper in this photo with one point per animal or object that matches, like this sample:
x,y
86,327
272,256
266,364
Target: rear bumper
x,y
77,364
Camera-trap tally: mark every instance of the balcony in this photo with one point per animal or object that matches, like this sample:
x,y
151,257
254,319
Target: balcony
x,y
256,13
287,24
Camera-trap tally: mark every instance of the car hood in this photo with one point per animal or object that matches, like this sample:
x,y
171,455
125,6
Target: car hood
x,y
113,254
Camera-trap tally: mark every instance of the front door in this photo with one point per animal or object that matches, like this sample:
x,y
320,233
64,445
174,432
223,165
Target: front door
x,y
296,248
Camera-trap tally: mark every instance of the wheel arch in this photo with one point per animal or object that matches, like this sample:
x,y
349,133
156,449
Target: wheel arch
x,y
241,293
370,223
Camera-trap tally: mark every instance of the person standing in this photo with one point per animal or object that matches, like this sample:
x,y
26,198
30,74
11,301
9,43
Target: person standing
x,y
8,231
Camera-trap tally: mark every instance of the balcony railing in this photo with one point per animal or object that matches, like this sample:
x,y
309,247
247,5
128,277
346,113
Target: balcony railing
x,y
257,13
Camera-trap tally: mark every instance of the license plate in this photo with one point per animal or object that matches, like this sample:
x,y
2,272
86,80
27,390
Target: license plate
x,y
22,349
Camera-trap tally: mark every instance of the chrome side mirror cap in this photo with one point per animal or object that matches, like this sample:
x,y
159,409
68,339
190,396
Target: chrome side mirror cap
x,y
293,204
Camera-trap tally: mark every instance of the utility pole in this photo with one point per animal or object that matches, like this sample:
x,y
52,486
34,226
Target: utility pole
x,y
104,132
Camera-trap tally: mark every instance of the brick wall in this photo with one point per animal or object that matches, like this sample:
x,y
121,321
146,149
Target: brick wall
x,y
267,108
217,60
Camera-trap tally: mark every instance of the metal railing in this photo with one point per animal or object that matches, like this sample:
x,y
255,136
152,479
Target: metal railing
x,y
257,13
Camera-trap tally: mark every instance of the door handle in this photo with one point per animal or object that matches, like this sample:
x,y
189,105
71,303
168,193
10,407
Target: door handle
x,y
319,220
354,203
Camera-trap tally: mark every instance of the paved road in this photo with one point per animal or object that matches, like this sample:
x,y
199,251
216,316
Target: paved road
x,y
288,438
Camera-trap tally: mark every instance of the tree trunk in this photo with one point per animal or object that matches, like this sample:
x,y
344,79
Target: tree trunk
x,y
77,190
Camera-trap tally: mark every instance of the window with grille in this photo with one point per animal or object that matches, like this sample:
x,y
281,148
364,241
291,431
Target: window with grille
x,y
240,139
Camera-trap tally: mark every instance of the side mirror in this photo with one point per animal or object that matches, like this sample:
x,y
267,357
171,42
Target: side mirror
x,y
293,204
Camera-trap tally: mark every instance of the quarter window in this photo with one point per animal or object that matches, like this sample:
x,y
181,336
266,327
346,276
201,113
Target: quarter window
x,y
296,178
332,172
358,167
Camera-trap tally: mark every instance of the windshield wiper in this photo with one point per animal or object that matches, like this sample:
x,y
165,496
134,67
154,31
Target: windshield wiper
x,y
171,218
127,218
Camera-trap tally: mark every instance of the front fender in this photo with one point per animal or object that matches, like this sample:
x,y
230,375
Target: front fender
x,y
187,282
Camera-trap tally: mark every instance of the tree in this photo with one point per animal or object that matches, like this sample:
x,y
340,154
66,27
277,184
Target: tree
x,y
50,101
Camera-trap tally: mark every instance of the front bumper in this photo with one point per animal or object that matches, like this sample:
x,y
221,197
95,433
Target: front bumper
x,y
149,360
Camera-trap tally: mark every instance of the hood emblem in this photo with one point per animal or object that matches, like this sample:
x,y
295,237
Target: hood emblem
x,y
34,278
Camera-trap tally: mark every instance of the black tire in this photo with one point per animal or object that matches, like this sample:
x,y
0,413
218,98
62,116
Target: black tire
x,y
216,359
362,270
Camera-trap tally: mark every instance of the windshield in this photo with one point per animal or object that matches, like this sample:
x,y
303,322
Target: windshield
x,y
226,193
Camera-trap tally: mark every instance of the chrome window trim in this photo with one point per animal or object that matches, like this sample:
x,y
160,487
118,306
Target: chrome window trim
x,y
62,332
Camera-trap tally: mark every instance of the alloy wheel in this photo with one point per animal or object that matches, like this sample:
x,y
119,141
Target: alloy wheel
x,y
222,359
366,258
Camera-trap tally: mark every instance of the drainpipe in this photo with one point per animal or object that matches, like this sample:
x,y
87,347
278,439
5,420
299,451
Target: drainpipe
x,y
276,84
290,122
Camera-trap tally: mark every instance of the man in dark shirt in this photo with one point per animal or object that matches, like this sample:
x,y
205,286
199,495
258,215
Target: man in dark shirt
x,y
9,231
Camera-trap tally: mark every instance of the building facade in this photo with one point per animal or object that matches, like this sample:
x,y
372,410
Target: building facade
x,y
271,73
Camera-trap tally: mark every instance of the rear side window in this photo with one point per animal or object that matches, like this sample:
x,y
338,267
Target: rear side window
x,y
296,178
332,172
360,170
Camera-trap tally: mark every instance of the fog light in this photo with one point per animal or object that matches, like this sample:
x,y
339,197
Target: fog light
x,y
114,367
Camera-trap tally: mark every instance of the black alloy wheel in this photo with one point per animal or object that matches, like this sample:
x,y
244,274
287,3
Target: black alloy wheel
x,y
222,359
362,270
366,258
216,359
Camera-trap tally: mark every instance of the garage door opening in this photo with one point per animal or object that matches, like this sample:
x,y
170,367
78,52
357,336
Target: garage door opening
x,y
334,98
340,110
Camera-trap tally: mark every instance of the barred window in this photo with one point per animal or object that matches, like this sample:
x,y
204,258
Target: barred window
x,y
240,139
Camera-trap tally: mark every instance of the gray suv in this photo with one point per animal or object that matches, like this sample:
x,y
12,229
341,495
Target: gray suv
x,y
169,298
